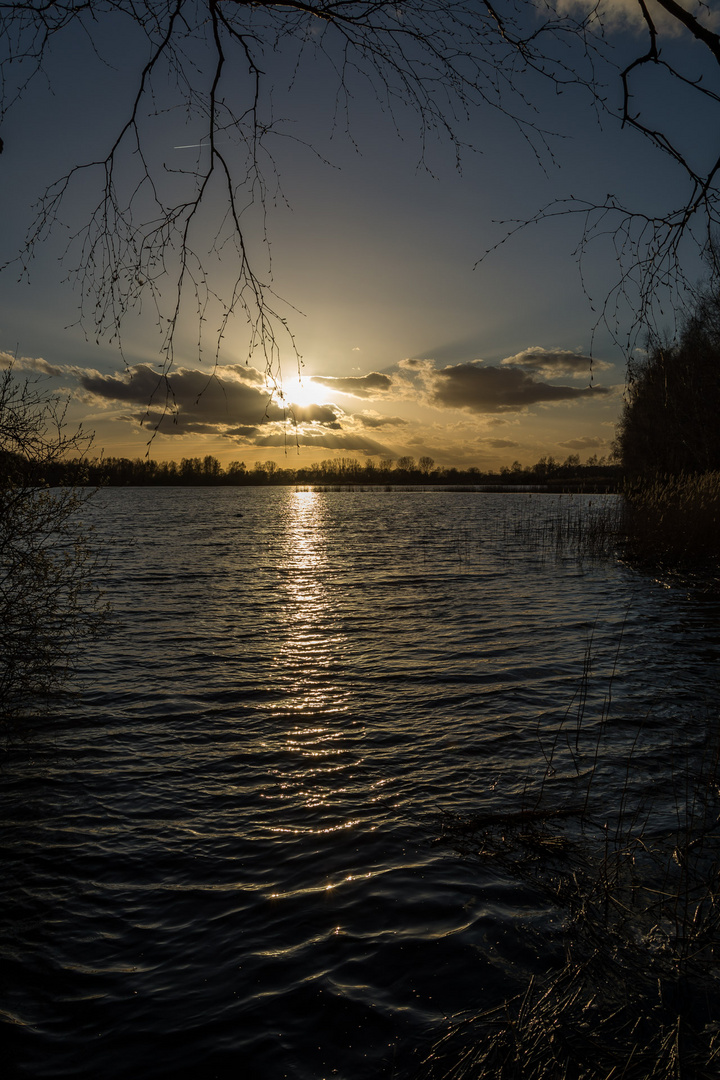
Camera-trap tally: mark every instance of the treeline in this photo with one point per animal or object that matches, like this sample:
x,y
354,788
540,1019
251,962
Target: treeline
x,y
208,471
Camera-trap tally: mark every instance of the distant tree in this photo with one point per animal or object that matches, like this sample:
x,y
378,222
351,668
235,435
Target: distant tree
x,y
49,600
212,469
168,472
236,471
155,228
425,464
405,464
190,470
669,423
546,466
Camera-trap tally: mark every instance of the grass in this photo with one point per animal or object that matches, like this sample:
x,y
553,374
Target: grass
x,y
589,528
635,881
676,519
665,522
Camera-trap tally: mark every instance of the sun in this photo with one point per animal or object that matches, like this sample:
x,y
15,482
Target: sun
x,y
296,391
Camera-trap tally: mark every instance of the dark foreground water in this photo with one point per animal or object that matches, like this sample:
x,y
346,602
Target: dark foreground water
x,y
221,861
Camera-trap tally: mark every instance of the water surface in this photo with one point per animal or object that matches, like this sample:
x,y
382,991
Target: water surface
x,y
221,858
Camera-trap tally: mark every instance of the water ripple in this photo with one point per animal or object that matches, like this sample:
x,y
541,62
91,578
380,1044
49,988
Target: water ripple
x,y
220,859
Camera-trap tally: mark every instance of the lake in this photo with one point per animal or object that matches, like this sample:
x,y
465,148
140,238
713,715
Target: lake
x,y
227,856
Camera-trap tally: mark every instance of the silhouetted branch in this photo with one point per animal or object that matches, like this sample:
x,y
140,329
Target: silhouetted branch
x,y
49,598
149,225
154,235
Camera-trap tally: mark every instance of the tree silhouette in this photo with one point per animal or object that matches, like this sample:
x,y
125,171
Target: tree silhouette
x,y
669,423
49,598
146,236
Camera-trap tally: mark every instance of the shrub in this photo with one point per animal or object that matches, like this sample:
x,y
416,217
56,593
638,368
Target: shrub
x,y
49,601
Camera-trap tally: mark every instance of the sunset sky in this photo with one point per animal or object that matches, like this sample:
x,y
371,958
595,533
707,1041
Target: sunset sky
x,y
409,344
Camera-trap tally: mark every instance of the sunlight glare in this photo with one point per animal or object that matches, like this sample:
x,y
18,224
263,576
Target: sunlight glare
x,y
296,391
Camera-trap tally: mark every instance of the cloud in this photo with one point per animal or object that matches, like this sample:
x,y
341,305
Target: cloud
x,y
236,406
362,386
551,363
316,414
413,376
29,363
375,420
587,442
189,400
627,14
502,444
485,389
242,432
244,372
417,367
323,440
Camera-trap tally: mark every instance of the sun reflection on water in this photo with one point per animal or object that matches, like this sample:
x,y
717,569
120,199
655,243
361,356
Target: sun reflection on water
x,y
315,747
314,644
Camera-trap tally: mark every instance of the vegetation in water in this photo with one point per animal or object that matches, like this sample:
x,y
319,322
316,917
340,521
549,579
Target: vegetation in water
x,y
674,519
634,880
668,440
668,443
662,523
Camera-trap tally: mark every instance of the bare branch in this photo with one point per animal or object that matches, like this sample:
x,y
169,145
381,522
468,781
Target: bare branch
x,y
153,237
146,240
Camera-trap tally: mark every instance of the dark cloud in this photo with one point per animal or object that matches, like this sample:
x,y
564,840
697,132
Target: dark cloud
x,y
363,386
323,440
587,442
502,444
372,420
244,372
191,401
486,389
318,414
554,362
244,432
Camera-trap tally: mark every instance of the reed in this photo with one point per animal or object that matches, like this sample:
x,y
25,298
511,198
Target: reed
x,y
671,522
587,529
635,881
675,519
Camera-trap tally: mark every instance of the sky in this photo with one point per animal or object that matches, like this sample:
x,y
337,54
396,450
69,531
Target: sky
x,y
414,334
